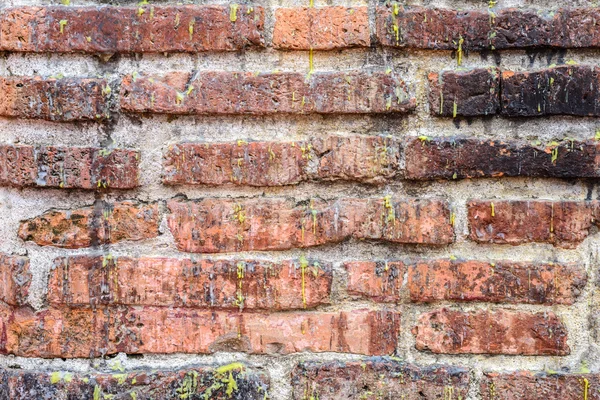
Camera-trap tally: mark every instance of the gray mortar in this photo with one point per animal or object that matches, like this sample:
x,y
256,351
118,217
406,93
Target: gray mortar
x,y
153,134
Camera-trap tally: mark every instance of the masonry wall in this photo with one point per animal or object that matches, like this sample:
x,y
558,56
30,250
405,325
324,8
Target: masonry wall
x,y
290,200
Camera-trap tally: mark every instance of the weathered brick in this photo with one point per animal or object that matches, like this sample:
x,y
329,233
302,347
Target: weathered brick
x,y
491,332
380,281
233,381
566,90
500,282
562,223
84,332
65,99
171,282
459,157
466,94
324,28
102,223
525,385
229,225
147,28
15,278
68,167
377,378
201,93
358,158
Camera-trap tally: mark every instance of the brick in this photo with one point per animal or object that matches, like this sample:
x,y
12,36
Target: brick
x,y
380,281
500,282
230,225
460,157
565,90
446,331
147,28
266,93
15,279
85,332
233,381
495,29
171,282
324,28
63,100
364,159
68,167
563,223
376,378
100,224
525,385
465,94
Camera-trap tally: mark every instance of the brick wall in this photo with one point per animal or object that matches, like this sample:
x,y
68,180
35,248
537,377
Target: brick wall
x,y
288,200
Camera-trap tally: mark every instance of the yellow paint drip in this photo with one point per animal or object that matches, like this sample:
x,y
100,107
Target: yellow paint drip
x,y
233,12
303,266
493,210
459,52
62,23
191,28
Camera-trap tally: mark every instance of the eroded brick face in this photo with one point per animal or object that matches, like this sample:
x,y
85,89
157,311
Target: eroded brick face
x,y
15,279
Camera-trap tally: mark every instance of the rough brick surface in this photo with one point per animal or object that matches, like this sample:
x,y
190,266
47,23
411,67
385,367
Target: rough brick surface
x,y
148,281
326,28
233,381
491,332
102,223
15,279
223,225
147,28
524,385
466,94
460,157
65,99
566,90
364,159
378,379
70,333
380,281
563,224
68,167
266,93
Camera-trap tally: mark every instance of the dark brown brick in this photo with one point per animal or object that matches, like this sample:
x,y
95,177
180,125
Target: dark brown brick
x,y
266,93
229,225
460,157
68,167
378,379
233,381
103,223
171,282
147,28
565,90
562,223
15,279
491,332
465,94
65,99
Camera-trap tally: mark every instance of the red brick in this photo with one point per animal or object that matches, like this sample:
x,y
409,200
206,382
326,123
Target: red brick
x,y
103,223
364,159
500,282
491,332
564,90
171,282
65,99
378,379
83,332
525,385
233,381
459,157
15,279
562,223
147,28
229,225
326,28
266,93
380,281
466,94
68,167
